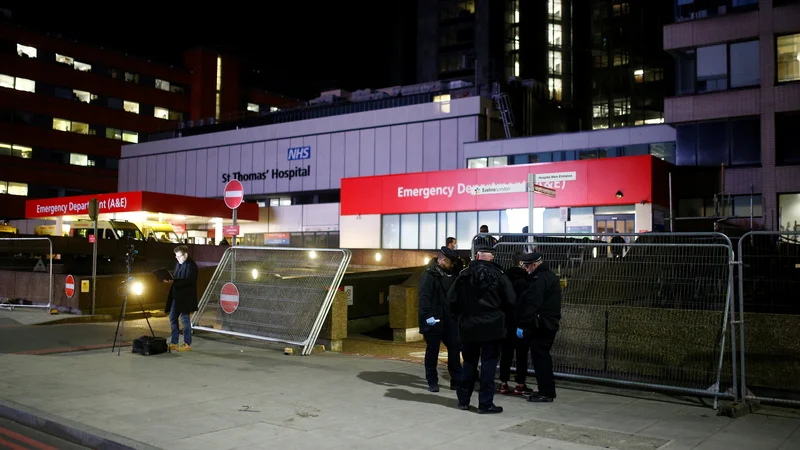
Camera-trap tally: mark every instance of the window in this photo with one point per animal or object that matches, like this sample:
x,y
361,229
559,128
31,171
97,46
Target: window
x,y
789,206
83,67
113,133
712,68
12,188
664,151
391,232
175,88
20,84
161,113
732,142
252,107
61,125
409,231
163,85
26,51
694,9
466,228
555,89
787,135
78,159
64,59
494,161
274,109
744,64
130,136
554,8
175,115
554,62
554,35
219,86
427,231
80,128
6,81
131,77
84,96
788,58
131,107
17,151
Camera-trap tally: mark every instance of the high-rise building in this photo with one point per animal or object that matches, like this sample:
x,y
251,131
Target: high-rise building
x,y
67,107
737,106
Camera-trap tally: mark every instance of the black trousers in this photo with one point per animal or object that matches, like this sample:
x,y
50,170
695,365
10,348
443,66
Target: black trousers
x,y
448,337
487,353
541,343
514,346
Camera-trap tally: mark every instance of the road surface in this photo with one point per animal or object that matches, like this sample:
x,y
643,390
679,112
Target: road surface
x,y
14,436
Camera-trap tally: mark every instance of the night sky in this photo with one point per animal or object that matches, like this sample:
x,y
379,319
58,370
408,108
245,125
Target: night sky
x,y
302,47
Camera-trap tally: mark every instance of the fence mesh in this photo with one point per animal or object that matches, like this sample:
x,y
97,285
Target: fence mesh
x,y
769,282
649,309
274,294
26,272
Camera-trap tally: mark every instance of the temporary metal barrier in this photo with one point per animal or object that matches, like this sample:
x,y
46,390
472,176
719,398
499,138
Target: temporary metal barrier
x,y
769,301
24,262
644,310
272,293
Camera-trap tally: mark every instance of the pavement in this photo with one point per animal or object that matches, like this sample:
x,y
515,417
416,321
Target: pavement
x,y
236,394
15,437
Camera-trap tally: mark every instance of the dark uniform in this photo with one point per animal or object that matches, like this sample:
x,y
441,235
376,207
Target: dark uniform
x,y
539,318
512,344
434,284
481,297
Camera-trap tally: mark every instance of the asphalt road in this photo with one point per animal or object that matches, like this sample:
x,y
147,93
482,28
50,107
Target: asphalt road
x,y
51,339
14,436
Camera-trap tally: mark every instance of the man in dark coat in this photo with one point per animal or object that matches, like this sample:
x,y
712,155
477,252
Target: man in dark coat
x,y
512,345
182,298
436,322
480,298
539,318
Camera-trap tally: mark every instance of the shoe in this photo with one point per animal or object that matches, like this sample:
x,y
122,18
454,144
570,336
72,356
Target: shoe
x,y
433,387
173,347
539,399
491,410
504,389
184,348
522,389
463,407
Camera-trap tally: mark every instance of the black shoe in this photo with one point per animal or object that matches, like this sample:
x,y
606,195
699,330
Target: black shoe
x,y
491,410
453,387
433,387
536,398
463,407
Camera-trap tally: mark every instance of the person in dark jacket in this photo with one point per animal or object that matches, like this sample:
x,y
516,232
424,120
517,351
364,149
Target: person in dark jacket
x,y
481,297
459,263
539,319
512,345
436,322
182,298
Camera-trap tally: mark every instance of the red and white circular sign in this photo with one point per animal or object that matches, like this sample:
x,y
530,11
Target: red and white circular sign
x,y
229,298
69,286
234,194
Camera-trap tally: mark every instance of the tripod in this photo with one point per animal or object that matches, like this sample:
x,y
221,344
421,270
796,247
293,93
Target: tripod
x,y
130,255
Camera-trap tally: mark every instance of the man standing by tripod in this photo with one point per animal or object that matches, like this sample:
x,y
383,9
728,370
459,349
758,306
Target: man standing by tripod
x,y
182,298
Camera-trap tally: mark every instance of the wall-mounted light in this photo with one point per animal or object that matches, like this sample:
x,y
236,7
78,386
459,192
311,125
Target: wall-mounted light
x,y
619,194
427,260
377,256
255,274
312,254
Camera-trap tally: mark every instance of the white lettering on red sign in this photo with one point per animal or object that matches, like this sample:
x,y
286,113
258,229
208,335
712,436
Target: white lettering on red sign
x,y
112,204
548,180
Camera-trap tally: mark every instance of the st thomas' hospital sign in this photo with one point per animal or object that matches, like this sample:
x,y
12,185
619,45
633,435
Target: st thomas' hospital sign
x,y
293,154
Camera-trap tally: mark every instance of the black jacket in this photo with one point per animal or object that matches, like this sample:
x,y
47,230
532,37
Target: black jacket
x,y
519,280
433,286
480,298
541,302
183,289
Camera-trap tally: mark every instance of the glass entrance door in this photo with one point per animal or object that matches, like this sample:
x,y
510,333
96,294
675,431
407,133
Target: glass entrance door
x,y
608,226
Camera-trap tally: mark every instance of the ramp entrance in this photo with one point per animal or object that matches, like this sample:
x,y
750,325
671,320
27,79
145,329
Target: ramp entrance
x,y
272,294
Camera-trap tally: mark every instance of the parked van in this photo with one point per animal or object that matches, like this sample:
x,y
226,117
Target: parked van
x,y
106,229
160,232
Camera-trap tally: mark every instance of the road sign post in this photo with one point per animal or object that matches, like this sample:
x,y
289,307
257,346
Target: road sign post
x,y
514,188
234,196
93,212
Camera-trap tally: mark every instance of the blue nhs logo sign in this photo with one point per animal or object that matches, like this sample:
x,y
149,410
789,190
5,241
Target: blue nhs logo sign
x,y
299,153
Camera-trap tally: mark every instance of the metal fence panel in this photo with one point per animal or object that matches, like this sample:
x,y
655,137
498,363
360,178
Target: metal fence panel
x,y
650,311
26,272
769,302
271,293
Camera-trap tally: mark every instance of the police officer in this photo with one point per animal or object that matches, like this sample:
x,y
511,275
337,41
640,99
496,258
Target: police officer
x,y
539,317
481,297
436,323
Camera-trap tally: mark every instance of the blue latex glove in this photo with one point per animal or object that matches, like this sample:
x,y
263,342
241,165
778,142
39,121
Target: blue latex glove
x,y
519,333
431,321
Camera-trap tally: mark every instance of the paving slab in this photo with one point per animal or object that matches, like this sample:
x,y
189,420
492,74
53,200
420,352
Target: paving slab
x,y
227,395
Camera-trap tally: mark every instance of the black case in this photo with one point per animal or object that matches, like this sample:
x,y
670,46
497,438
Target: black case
x,y
150,345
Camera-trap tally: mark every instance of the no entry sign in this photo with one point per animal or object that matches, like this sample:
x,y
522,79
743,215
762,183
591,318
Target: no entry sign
x,y
69,286
229,298
234,194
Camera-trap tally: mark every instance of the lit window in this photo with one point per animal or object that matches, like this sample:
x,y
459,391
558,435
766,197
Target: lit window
x,y
442,98
131,107
252,107
113,133
554,8
78,159
554,85
516,68
219,73
61,125
21,152
176,89
638,75
24,50
286,202
131,77
274,109
477,163
6,81
217,106
554,60
64,59
84,96
161,113
516,15
25,85
12,188
130,136
554,35
80,128
83,67
163,85
788,59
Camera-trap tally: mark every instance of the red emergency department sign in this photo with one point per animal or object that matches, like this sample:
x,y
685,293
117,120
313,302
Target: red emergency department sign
x,y
234,194
69,286
229,298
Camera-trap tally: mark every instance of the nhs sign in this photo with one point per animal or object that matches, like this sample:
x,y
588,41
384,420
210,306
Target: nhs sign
x,y
299,153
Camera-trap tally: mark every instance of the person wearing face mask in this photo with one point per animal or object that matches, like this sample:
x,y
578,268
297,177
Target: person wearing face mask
x,y
182,298
436,323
